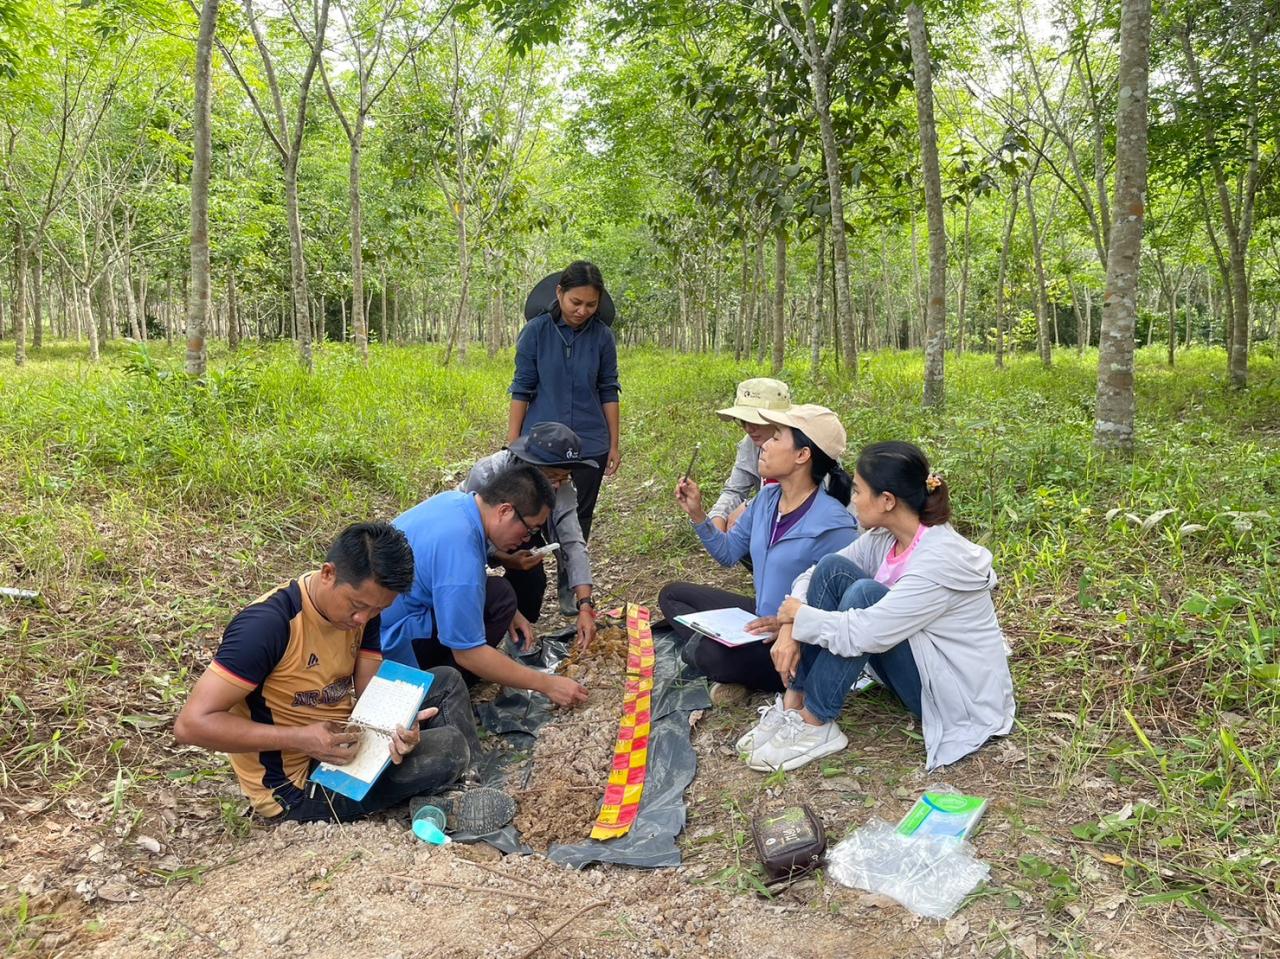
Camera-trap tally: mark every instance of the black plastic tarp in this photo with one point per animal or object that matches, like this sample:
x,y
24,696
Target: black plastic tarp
x,y
517,715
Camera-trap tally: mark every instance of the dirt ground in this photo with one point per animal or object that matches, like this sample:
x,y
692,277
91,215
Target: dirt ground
x,y
158,861
370,890
178,883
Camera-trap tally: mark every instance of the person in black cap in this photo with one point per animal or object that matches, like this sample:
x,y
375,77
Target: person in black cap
x,y
556,450
567,372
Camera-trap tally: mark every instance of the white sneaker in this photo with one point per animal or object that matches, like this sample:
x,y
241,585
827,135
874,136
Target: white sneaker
x,y
770,722
797,743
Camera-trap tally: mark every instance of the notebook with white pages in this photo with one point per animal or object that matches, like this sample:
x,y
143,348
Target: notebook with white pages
x,y
392,698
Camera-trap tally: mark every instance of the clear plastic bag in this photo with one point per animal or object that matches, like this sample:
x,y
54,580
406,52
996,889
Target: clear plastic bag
x,y
929,877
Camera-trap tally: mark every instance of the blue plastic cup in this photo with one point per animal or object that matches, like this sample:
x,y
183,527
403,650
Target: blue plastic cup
x,y
428,825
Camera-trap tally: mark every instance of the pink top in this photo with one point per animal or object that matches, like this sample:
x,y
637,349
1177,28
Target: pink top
x,y
893,567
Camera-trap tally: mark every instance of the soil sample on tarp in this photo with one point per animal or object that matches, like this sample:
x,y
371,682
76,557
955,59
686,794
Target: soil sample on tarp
x,y
573,754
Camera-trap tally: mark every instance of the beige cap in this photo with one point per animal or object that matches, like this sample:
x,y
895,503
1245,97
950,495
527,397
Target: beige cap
x,y
754,395
816,422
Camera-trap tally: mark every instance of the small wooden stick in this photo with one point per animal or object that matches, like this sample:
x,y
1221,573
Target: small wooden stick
x,y
197,932
547,937
491,870
481,889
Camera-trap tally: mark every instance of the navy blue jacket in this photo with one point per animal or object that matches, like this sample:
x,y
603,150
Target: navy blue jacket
x,y
566,376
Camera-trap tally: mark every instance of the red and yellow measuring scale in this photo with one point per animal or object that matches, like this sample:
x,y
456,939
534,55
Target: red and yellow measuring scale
x,y
631,751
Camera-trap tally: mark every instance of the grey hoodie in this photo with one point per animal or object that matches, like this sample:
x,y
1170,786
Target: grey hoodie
x,y
562,526
942,606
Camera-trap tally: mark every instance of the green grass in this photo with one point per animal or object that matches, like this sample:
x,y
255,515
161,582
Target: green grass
x,y
1140,594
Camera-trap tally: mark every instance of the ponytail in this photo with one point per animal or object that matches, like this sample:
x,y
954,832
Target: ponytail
x,y
824,469
937,502
901,469
839,484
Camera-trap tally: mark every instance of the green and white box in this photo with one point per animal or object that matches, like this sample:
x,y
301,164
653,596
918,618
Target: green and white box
x,y
943,815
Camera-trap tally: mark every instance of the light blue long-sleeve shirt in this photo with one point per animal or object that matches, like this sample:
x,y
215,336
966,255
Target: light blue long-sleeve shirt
x,y
825,528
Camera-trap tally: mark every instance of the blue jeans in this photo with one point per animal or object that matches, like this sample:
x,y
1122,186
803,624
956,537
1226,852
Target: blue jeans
x,y
823,676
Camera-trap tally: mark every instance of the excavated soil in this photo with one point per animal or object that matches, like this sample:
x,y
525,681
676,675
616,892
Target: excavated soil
x,y
572,757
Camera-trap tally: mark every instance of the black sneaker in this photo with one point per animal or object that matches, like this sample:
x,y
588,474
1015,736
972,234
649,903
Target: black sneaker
x,y
477,811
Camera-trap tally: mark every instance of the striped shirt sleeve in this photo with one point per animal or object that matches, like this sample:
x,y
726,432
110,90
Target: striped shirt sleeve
x,y
253,644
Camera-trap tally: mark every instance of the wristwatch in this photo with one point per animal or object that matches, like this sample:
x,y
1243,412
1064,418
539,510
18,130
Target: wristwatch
x,y
586,601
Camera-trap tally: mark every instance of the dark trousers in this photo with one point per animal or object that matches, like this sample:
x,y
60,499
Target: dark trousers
x,y
824,677
499,611
448,743
529,585
587,482
751,665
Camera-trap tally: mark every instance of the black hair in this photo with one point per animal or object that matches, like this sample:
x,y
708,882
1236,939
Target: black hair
x,y
902,469
823,467
522,485
376,551
581,273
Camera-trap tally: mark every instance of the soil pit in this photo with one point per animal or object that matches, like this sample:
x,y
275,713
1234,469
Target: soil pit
x,y
572,757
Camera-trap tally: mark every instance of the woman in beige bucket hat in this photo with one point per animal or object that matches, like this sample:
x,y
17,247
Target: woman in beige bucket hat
x,y
752,396
788,527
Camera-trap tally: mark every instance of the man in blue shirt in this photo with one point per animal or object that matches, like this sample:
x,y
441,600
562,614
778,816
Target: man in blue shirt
x,y
455,614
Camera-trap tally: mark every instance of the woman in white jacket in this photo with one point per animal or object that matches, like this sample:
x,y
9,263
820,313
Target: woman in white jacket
x,y
911,598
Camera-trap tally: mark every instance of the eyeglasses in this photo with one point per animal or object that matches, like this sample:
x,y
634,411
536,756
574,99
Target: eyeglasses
x,y
532,529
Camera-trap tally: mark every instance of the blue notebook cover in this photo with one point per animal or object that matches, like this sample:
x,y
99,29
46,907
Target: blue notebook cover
x,y
332,777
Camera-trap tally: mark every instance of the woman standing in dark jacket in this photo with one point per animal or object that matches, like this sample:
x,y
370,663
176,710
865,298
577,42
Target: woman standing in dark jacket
x,y
567,372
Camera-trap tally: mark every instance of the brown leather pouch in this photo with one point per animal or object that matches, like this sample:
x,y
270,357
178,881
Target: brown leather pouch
x,y
790,842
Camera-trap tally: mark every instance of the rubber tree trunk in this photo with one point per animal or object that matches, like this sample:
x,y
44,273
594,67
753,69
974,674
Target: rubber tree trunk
x,y
962,297
1186,309
131,305
233,314
819,81
198,303
1237,219
359,321
764,305
90,321
382,320
298,266
19,306
1003,274
779,298
493,319
914,318
107,292
1088,317
1041,295
37,299
935,332
837,349
820,302
744,302
458,327
1113,425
